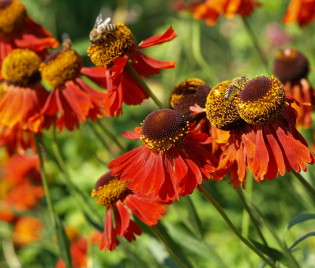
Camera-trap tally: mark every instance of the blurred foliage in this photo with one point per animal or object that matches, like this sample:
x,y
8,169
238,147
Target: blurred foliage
x,y
228,52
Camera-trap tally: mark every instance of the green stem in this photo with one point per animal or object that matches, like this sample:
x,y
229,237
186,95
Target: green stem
x,y
283,246
196,51
144,85
233,228
44,179
168,248
100,138
111,135
75,190
305,183
255,42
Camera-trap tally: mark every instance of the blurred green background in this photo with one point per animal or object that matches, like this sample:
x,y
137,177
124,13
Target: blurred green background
x,y
212,54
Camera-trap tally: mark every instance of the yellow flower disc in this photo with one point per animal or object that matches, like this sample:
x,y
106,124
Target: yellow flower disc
x,y
113,45
21,66
12,16
61,66
220,112
108,190
262,100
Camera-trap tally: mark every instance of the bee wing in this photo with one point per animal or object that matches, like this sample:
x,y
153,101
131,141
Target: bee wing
x,y
98,20
105,22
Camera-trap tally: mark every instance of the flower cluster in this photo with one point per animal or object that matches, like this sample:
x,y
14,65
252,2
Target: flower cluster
x,y
206,133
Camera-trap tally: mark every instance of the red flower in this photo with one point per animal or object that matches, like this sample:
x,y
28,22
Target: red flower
x,y
72,99
301,11
25,96
263,137
119,57
171,161
292,68
78,250
210,10
17,30
16,140
116,197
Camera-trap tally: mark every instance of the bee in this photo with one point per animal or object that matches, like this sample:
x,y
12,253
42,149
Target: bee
x,y
102,29
235,84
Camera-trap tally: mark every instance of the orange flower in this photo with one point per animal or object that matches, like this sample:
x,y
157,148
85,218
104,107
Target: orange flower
x,y
262,134
72,99
19,192
117,55
78,249
116,198
292,68
301,11
27,230
17,30
210,10
172,160
25,96
16,140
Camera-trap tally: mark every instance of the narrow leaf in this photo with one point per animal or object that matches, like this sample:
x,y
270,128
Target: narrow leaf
x,y
301,239
193,217
301,218
63,242
272,253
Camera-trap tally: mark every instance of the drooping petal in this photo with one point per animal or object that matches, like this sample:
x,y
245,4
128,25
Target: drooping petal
x,y
109,240
122,218
147,211
158,39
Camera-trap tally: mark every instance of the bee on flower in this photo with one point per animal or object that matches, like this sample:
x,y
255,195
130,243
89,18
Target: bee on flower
x,y
119,60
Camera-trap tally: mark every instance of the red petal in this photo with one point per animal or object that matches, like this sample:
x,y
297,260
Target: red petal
x,y
261,158
109,240
158,39
147,211
122,219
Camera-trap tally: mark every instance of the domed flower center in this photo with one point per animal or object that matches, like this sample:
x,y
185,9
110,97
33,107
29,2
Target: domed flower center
x,y
12,16
164,129
108,190
188,93
108,45
290,65
221,112
20,67
61,66
262,100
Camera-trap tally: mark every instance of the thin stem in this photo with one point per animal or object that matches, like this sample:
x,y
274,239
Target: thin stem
x,y
144,85
196,51
44,179
253,219
111,135
100,138
75,190
255,42
168,248
305,183
233,228
283,246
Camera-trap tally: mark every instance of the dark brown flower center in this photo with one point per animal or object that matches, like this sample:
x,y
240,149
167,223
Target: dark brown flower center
x,y
290,65
262,100
164,129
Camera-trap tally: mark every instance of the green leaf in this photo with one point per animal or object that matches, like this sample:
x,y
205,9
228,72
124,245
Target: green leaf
x,y
193,217
172,247
301,239
196,246
272,253
63,242
301,218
